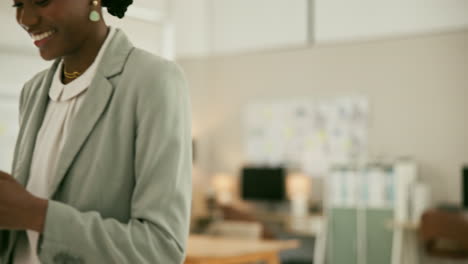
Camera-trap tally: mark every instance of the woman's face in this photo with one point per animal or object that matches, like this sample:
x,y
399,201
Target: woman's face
x,y
57,27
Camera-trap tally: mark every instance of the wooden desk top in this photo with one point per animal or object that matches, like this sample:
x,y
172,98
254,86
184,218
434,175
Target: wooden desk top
x,y
202,247
444,233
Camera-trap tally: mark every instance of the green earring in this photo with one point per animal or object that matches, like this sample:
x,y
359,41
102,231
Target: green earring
x,y
94,15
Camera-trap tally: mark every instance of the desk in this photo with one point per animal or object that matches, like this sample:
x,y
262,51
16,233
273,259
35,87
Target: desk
x,y
445,233
216,250
308,225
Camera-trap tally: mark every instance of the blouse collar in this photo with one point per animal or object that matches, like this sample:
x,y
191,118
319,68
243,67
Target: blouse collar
x,y
63,92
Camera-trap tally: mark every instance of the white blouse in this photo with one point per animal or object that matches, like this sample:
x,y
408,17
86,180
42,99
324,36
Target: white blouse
x,y
65,101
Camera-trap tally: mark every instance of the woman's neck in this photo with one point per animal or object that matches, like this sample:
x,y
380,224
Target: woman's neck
x,y
85,56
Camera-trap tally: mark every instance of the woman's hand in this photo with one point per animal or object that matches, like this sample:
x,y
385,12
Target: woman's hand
x,y
19,209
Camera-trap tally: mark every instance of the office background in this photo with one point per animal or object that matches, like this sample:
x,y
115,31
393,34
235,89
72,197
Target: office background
x,y
408,58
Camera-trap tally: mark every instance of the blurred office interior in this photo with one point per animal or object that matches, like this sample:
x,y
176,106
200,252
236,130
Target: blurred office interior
x,y
322,129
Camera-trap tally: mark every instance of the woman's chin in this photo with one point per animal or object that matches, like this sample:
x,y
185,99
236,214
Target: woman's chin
x,y
47,56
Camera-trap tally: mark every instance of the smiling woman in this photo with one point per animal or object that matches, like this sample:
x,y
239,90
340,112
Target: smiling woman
x,y
62,28
102,164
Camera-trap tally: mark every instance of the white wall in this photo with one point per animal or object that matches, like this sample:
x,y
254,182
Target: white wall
x,y
13,36
243,25
418,88
16,69
213,27
192,19
148,24
337,20
143,34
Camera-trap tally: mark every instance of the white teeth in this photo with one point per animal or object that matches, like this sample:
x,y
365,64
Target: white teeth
x,y
42,35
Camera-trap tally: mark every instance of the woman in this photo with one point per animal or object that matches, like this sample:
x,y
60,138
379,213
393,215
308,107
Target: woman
x,y
102,165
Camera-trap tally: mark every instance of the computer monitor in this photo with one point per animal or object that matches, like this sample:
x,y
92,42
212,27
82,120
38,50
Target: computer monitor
x,y
263,184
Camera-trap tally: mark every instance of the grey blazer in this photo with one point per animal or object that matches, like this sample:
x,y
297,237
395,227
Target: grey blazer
x,y
122,187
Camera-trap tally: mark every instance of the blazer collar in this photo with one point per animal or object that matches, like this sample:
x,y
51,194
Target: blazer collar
x,y
115,56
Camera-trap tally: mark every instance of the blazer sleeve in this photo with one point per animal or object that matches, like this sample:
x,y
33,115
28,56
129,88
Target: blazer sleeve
x,y
5,233
158,229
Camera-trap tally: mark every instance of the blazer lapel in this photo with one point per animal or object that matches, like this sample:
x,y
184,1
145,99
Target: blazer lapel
x,y
97,98
31,127
94,105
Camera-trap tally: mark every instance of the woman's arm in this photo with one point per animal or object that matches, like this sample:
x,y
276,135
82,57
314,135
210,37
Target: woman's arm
x,y
159,224
4,233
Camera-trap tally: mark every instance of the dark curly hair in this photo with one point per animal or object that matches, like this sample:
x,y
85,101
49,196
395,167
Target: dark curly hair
x,y
117,7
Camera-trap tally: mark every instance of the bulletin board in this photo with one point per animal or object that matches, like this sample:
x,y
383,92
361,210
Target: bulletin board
x,y
306,134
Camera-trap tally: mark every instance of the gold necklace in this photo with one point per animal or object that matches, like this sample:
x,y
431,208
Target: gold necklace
x,y
71,75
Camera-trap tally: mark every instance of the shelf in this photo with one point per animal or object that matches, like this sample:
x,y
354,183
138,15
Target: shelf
x,y
405,225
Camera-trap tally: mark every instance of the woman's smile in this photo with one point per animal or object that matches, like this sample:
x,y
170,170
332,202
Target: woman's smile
x,y
41,38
